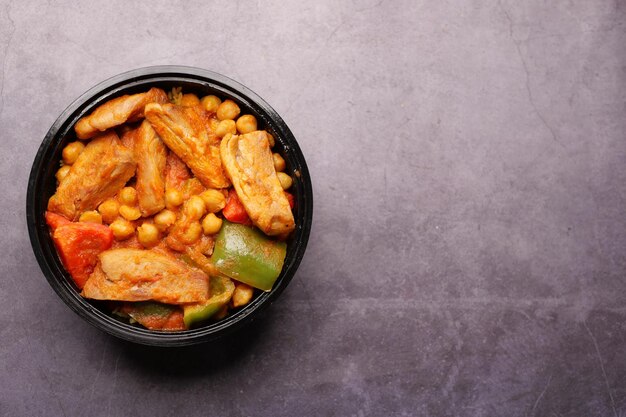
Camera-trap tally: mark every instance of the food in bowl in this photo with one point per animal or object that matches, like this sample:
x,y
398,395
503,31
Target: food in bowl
x,y
171,208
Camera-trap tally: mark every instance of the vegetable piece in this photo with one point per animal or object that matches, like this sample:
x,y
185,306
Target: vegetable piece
x,y
71,151
228,110
247,255
285,180
91,216
213,199
221,291
128,196
130,213
164,219
62,172
225,127
141,275
234,211
189,99
155,316
122,229
246,124
109,210
173,198
79,245
242,295
211,224
279,162
55,220
148,235
210,103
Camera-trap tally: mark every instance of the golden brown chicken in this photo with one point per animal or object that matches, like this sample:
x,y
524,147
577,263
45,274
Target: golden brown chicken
x,y
100,171
128,108
248,163
139,275
185,132
151,154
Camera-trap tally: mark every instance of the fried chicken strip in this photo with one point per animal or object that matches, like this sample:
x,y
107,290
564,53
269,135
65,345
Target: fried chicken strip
x,y
248,163
185,132
151,154
140,275
127,108
100,171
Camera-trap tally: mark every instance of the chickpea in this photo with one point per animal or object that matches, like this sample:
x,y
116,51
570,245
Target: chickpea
x,y
195,207
228,110
211,224
279,162
285,180
90,216
71,152
192,234
128,196
130,213
246,123
164,219
213,124
214,200
122,229
189,100
148,235
109,210
173,198
210,103
242,294
225,127
62,172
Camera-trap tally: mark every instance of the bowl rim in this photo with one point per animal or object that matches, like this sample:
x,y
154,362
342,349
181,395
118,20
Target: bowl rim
x,y
57,277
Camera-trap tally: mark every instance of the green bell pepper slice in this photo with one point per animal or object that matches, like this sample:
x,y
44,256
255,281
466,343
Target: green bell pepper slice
x,y
245,254
222,289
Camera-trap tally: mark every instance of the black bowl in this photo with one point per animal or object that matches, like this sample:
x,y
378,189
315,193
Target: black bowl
x,y
42,184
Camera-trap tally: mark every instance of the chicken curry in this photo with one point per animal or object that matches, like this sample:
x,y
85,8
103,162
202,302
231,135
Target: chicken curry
x,y
172,209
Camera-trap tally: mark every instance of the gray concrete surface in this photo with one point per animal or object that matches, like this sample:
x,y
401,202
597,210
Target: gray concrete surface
x,y
467,253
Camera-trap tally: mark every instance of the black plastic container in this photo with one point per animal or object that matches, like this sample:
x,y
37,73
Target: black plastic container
x,y
42,185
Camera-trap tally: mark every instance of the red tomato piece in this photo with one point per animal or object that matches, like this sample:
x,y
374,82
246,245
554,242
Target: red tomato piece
x,y
234,211
55,220
79,245
291,199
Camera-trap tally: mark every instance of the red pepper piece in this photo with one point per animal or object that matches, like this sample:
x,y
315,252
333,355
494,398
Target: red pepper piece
x,y
234,211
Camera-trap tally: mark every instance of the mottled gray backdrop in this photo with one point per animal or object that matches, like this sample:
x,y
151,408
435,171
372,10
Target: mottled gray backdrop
x,y
467,253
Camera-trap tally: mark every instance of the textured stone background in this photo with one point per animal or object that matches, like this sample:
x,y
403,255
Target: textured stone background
x,y
467,254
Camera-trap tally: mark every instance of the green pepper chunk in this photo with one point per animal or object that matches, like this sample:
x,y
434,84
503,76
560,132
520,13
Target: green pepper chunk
x,y
245,254
221,292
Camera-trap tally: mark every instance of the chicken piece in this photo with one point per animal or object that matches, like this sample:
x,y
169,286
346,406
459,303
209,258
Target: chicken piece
x,y
248,163
185,132
140,275
100,171
151,154
128,108
128,137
